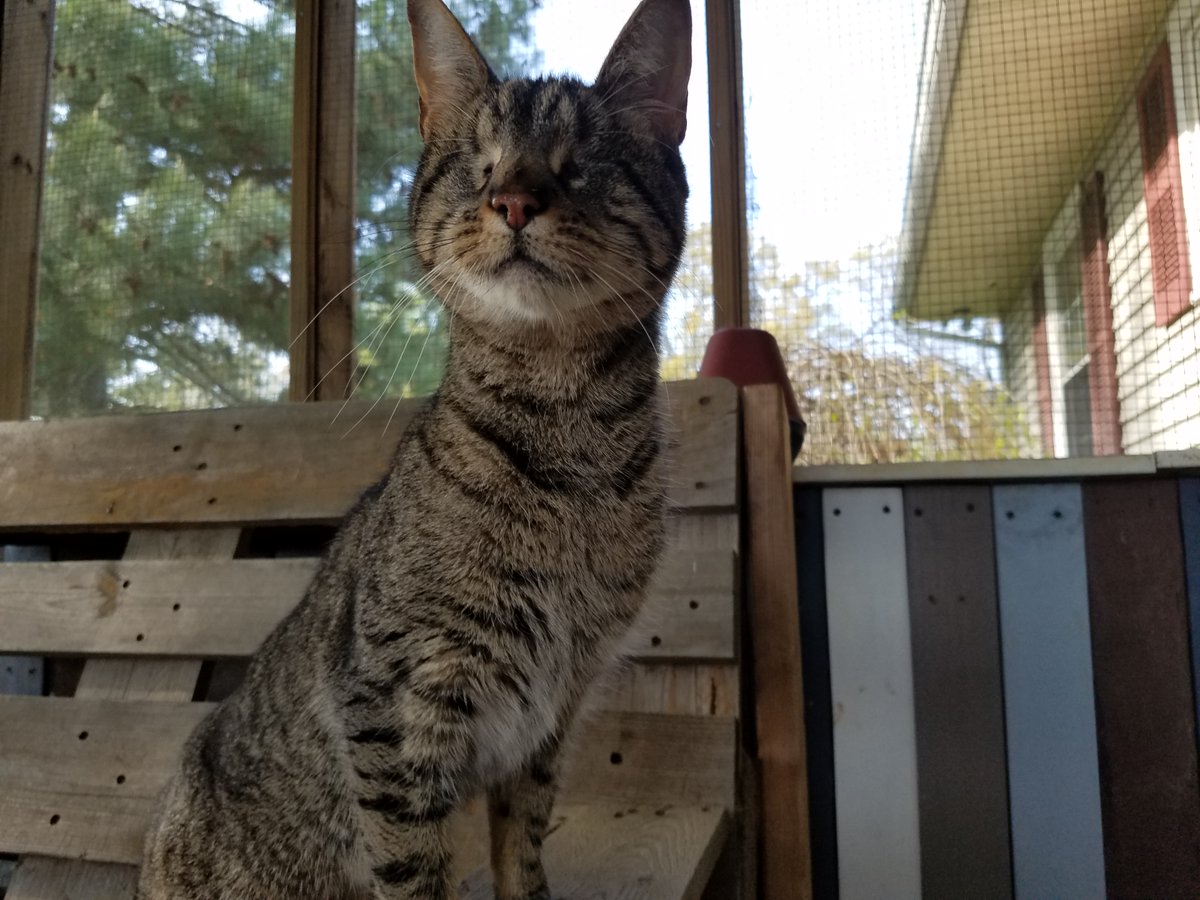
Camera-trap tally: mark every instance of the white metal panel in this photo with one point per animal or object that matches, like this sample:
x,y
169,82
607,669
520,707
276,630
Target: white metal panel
x,y
1053,769
874,731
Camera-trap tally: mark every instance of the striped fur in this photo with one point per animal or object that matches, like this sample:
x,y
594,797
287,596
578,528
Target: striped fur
x,y
472,597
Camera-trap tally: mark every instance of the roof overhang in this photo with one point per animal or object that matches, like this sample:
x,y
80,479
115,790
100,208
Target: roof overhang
x,y
1015,101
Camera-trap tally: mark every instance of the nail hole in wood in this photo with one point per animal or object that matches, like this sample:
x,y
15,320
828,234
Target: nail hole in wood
x,y
177,448
140,637
120,779
918,512
237,427
615,758
970,507
200,467
1058,514
692,604
212,500
704,401
1010,515
655,641
887,509
175,607
125,583
837,512
54,819
700,485
83,735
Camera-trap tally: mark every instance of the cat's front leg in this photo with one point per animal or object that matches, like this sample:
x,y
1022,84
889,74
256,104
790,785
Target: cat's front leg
x,y
519,815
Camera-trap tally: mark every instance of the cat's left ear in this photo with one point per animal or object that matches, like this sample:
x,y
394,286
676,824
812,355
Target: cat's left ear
x,y
649,66
450,70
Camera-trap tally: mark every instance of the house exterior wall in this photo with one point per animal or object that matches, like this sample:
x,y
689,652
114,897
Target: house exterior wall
x,y
1158,368
1020,360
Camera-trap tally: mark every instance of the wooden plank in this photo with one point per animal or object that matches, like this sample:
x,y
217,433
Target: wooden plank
x,y
44,878
25,57
958,692
818,702
775,639
1143,682
336,168
1054,783
673,689
621,851
70,796
302,348
116,680
874,740
978,470
1189,514
225,609
208,467
731,280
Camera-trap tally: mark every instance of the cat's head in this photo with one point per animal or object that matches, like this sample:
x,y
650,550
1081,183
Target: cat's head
x,y
546,202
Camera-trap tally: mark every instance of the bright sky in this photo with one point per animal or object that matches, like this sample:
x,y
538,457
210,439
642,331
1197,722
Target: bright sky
x,y
831,91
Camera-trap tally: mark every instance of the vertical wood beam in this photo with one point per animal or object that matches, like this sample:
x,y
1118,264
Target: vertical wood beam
x,y
727,134
775,638
323,174
25,54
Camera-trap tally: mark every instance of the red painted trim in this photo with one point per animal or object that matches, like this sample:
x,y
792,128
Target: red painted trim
x,y
1041,355
1162,183
1098,319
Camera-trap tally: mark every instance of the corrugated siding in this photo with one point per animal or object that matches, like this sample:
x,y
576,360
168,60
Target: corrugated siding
x,y
1158,369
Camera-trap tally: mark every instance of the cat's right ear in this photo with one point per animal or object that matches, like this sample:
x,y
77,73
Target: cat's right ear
x,y
450,70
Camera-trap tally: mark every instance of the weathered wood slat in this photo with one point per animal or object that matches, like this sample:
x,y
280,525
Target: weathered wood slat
x,y
80,776
643,852
958,693
1054,782
290,462
1146,730
220,609
1189,514
874,740
774,618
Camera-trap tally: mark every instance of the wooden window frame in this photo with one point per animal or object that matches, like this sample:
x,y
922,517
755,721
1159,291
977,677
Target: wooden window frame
x,y
1098,318
1162,180
1042,367
321,317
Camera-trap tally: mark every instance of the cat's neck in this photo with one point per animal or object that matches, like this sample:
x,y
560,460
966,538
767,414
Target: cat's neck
x,y
552,365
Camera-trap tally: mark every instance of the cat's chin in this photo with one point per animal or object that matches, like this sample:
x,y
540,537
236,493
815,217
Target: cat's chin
x,y
519,295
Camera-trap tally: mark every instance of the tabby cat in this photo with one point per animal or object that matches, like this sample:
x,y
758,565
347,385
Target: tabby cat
x,y
474,594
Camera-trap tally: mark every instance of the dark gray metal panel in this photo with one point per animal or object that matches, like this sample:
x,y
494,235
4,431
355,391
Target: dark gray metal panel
x,y
958,693
1189,514
1053,770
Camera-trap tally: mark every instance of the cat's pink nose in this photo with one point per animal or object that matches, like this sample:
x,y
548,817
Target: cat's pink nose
x,y
517,207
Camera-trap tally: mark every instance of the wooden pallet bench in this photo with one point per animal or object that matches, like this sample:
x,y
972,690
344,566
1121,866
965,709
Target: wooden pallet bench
x,y
172,543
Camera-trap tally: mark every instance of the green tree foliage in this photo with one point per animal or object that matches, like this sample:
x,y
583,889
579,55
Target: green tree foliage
x,y
166,207
873,388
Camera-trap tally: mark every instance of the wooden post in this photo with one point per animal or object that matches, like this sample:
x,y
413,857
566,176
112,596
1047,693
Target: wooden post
x,y
25,54
323,171
727,132
775,639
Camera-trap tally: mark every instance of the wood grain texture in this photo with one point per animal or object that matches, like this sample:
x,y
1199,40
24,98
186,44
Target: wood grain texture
x,y
336,171
674,689
731,278
962,775
288,462
25,57
1054,783
818,702
116,680
1145,717
774,623
302,346
622,852
1189,515
219,609
70,796
45,878
874,737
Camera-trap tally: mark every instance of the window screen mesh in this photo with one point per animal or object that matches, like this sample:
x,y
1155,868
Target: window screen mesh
x,y
967,239
165,214
399,327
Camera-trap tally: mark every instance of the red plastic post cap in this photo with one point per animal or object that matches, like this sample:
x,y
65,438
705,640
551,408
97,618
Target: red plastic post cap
x,y
749,356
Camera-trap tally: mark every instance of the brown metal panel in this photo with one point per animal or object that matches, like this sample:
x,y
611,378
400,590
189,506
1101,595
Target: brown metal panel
x,y
1144,716
957,691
